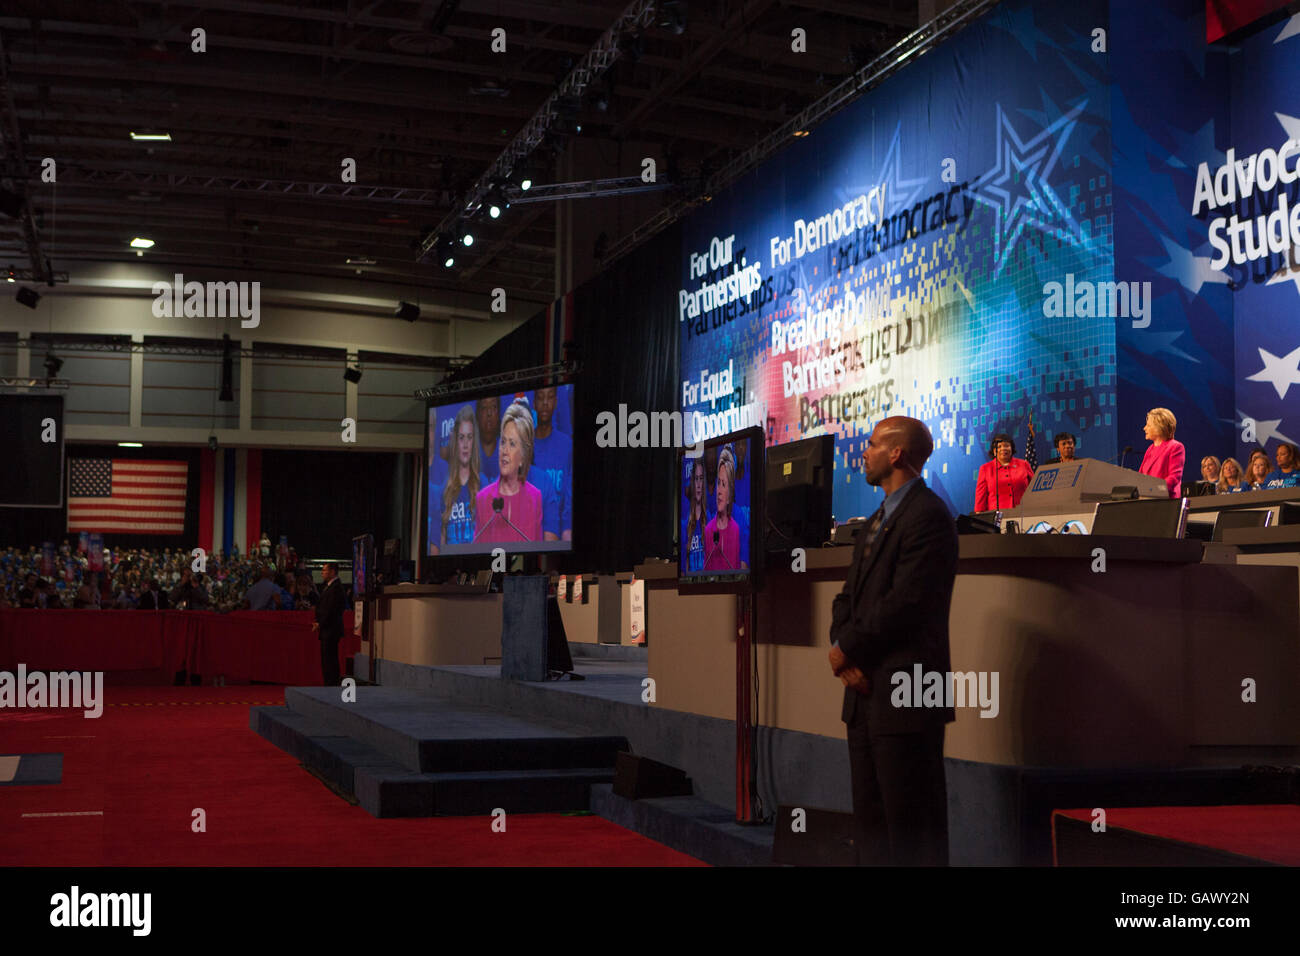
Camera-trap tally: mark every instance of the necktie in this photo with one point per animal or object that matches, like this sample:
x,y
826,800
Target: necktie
x,y
873,526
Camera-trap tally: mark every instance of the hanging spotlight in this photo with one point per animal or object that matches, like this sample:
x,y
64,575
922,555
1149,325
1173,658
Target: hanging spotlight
x,y
52,365
466,237
447,251
497,203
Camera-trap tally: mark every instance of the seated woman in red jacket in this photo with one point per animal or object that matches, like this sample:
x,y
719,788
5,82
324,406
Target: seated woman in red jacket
x,y
1165,457
1002,481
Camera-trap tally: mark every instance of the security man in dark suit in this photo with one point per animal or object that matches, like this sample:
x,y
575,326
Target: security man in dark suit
x,y
892,615
329,622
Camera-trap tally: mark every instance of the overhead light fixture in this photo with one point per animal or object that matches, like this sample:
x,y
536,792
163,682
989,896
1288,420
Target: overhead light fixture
x,y
11,275
28,297
467,237
212,443
497,202
408,311
129,444
447,251
800,133
151,137
352,375
360,261
138,243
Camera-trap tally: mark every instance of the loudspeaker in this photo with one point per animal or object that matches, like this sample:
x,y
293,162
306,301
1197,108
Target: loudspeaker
x,y
636,778
28,297
824,838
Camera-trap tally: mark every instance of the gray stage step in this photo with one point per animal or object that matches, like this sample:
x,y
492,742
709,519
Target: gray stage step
x,y
539,770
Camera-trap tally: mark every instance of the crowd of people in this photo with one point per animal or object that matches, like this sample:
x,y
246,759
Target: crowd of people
x,y
140,579
1003,480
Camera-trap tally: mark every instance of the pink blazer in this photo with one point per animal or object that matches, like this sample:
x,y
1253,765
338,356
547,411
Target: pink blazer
x,y
1166,461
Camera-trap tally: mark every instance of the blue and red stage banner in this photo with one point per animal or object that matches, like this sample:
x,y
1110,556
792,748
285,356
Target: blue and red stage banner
x,y
230,499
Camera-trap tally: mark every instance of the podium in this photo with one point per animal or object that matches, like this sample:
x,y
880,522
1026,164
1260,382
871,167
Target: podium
x,y
1071,489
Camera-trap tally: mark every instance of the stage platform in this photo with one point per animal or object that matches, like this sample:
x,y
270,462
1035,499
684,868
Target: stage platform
x,y
460,741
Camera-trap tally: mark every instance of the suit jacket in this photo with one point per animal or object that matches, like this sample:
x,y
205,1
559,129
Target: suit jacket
x,y
893,610
329,612
1166,461
1001,488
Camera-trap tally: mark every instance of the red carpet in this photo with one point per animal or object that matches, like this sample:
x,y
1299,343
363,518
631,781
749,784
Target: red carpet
x,y
135,776
1263,832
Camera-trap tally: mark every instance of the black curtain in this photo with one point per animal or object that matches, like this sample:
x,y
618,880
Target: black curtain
x,y
625,336
626,339
324,499
24,527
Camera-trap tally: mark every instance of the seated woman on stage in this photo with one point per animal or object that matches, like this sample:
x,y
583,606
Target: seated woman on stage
x,y
1210,469
724,552
1165,456
1256,472
1230,478
1003,480
1287,472
520,517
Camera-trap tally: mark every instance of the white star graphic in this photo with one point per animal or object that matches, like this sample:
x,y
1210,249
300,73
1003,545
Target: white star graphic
x,y
1190,271
1289,123
1280,372
1291,29
1017,187
1264,428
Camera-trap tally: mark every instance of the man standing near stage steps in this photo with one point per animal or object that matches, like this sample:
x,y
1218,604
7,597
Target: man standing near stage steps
x,y
892,615
329,622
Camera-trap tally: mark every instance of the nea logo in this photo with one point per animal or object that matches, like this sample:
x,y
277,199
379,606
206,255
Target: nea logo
x,y
102,909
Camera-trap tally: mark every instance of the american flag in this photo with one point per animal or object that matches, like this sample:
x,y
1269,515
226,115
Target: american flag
x,y
127,496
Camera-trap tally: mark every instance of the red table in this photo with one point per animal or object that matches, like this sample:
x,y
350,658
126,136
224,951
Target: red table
x,y
273,646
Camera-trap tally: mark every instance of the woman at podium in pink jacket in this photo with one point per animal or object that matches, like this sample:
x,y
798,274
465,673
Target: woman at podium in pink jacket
x,y
1165,457
1002,481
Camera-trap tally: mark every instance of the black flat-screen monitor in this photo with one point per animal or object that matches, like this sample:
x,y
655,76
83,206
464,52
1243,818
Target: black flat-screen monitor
x,y
721,509
799,476
363,563
500,473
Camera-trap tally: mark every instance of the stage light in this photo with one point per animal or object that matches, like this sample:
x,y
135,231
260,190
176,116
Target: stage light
x,y
497,202
52,365
11,275
28,297
151,137
212,443
138,243
526,184
352,375
447,251
408,311
130,444
467,238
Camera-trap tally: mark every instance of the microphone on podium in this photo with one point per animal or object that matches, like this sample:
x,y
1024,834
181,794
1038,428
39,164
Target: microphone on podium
x,y
1122,455
716,539
498,507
